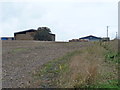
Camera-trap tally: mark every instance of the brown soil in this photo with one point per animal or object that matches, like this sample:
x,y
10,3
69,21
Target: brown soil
x,y
21,58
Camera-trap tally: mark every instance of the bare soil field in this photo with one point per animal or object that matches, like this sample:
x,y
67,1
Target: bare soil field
x,y
21,58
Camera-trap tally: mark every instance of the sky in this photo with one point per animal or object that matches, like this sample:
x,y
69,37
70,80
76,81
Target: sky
x,y
68,19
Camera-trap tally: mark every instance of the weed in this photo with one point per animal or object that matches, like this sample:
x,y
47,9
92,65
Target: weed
x,y
83,68
53,69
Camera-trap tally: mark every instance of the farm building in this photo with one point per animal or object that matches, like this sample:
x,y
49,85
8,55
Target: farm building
x,y
91,38
7,38
29,35
25,35
53,37
78,40
105,39
87,38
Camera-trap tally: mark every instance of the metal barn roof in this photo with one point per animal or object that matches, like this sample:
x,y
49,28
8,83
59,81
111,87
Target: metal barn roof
x,y
23,32
91,37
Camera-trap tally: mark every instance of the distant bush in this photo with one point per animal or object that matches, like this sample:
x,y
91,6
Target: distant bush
x,y
43,34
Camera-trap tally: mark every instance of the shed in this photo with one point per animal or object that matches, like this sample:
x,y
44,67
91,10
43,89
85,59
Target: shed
x,y
25,35
91,38
7,38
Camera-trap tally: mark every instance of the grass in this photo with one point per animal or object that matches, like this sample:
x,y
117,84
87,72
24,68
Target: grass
x,y
85,68
17,50
112,54
108,84
50,72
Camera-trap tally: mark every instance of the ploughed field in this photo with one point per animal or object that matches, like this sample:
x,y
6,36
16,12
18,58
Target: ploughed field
x,y
22,58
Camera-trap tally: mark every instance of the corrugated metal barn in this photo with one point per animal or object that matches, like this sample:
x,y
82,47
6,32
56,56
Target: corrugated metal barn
x,y
91,38
25,35
28,35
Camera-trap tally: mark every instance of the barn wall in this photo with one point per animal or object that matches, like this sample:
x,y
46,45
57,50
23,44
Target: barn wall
x,y
53,37
27,36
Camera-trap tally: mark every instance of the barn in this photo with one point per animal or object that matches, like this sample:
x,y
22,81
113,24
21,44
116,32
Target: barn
x,y
25,35
53,37
91,38
28,35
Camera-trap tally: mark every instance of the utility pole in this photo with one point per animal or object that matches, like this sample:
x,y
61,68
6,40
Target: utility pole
x,y
107,31
116,35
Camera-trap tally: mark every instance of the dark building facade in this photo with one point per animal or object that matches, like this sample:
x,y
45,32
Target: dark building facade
x,y
53,37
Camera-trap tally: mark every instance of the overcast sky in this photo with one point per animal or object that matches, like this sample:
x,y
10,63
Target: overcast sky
x,y
67,19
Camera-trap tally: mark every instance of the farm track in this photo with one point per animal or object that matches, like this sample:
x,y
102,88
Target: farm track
x,y
21,58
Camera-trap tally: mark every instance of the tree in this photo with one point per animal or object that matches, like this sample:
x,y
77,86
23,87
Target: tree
x,y
43,34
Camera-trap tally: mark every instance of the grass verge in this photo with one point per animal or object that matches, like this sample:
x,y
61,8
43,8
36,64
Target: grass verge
x,y
50,72
85,68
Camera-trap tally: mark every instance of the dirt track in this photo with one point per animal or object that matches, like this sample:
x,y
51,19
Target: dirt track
x,y
21,58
